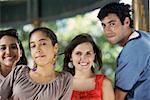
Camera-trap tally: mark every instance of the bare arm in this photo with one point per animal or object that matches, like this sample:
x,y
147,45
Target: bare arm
x,y
120,95
108,92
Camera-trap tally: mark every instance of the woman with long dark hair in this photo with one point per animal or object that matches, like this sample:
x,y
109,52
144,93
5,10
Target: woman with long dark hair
x,y
11,52
82,58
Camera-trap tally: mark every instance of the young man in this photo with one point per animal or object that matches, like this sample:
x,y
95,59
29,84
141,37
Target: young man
x,y
132,80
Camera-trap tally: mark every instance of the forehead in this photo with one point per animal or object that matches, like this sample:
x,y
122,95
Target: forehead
x,y
38,35
84,46
8,40
110,17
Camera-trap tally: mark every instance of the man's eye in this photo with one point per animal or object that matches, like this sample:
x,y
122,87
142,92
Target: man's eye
x,y
112,24
103,25
43,43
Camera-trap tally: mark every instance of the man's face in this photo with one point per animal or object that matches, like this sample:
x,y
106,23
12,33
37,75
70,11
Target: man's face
x,y
114,31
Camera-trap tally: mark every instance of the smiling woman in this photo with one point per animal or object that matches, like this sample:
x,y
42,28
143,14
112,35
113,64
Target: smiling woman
x,y
11,52
42,83
82,57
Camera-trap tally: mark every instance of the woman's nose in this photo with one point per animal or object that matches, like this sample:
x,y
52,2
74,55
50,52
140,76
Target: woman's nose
x,y
8,50
38,49
83,57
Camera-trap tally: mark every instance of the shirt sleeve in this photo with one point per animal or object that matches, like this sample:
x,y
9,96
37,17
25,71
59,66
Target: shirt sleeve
x,y
68,87
130,65
7,85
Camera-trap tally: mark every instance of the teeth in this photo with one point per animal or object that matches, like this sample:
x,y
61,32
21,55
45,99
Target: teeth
x,y
9,58
83,64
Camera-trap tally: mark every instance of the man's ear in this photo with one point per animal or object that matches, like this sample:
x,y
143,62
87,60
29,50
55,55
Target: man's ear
x,y
127,21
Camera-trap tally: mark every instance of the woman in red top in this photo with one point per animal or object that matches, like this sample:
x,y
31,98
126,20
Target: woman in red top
x,y
80,57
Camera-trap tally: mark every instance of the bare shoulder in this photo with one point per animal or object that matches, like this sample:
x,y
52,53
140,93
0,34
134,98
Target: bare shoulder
x,y
108,91
107,83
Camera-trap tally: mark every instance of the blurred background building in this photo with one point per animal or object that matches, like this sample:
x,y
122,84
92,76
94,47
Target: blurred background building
x,y
21,12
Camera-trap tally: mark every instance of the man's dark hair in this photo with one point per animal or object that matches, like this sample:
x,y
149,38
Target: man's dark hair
x,y
120,9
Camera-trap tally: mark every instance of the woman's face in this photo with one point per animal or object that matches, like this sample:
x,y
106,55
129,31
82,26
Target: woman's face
x,y
83,56
42,50
9,51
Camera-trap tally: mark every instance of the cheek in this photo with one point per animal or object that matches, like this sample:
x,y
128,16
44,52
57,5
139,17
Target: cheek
x,y
118,29
1,55
75,59
17,55
91,59
105,33
15,52
32,53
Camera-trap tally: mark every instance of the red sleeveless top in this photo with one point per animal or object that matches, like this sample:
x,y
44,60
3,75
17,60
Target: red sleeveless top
x,y
95,94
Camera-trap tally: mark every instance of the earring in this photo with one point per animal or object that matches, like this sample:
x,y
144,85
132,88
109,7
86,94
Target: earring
x,y
70,65
34,67
94,65
54,59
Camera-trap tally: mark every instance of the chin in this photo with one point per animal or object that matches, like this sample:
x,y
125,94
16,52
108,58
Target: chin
x,y
9,65
112,42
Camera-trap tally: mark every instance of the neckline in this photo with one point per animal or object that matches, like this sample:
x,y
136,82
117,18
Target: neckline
x,y
92,90
134,35
1,76
32,81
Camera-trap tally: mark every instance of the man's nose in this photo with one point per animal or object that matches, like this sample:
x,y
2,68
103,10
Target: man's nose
x,y
107,28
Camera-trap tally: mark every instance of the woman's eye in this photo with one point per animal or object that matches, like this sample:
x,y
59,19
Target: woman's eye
x,y
78,53
14,46
89,53
32,46
2,48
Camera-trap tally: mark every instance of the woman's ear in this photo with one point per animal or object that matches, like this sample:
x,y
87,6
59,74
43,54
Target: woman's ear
x,y
71,59
56,48
20,53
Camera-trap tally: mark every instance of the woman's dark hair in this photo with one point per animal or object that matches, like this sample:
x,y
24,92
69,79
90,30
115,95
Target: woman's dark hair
x,y
48,33
23,59
75,42
120,9
13,33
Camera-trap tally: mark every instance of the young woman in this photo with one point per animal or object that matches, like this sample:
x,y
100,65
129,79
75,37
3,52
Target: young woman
x,y
42,83
82,57
11,52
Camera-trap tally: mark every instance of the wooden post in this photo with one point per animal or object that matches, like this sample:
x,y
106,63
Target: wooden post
x,y
139,17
